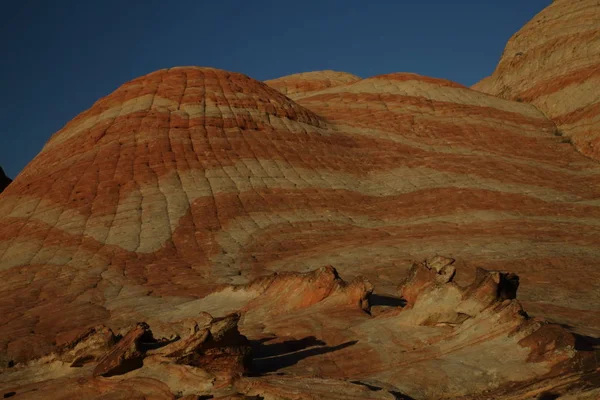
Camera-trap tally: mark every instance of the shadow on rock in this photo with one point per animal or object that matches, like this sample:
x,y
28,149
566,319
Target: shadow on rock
x,y
548,396
586,343
583,342
397,395
386,301
272,357
261,350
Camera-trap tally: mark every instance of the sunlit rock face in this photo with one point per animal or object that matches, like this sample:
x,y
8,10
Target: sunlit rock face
x,y
315,335
554,64
192,194
191,178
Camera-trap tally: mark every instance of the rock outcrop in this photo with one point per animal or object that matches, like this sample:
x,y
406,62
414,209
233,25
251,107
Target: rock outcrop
x,y
321,341
191,178
194,198
127,354
208,356
554,64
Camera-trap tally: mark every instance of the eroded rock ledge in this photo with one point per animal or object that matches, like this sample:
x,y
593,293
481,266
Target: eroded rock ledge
x,y
305,335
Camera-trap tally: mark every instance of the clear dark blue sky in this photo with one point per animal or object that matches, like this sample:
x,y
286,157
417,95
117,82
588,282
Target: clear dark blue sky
x,y
58,57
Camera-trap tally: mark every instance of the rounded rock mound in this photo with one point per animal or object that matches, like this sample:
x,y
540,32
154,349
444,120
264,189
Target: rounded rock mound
x,y
306,83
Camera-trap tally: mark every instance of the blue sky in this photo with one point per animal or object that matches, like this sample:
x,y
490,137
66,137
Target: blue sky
x,y
61,56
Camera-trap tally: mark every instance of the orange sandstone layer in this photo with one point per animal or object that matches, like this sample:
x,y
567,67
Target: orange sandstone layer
x,y
185,190
315,335
191,178
553,62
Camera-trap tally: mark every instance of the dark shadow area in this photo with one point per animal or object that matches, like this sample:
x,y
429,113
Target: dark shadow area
x,y
270,358
586,343
582,342
145,343
371,387
508,287
261,350
400,396
148,342
386,301
548,396
9,394
125,367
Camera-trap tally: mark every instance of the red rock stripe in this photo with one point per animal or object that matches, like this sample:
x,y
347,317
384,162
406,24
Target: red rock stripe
x,y
440,201
298,86
557,83
340,103
573,117
430,132
118,166
202,222
405,77
431,202
281,242
194,85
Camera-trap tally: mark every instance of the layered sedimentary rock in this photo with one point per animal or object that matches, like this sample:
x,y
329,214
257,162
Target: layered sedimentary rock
x,y
300,85
317,336
4,180
554,63
190,178
195,190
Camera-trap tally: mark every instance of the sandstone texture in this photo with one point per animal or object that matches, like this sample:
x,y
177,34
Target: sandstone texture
x,y
316,336
554,64
187,236
299,85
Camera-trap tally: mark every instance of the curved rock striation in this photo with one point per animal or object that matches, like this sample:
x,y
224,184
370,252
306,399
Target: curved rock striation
x,y
303,84
322,340
553,62
191,178
195,190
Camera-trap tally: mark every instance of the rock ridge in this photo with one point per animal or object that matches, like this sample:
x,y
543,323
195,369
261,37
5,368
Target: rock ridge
x,y
248,352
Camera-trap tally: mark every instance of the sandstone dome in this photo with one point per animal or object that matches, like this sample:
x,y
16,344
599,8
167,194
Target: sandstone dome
x,y
301,84
195,190
553,62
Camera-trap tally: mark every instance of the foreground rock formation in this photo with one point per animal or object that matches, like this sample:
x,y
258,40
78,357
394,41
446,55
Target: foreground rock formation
x,y
317,336
170,229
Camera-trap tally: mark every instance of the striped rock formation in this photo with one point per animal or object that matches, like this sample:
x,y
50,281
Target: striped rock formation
x,y
299,85
168,197
554,63
316,336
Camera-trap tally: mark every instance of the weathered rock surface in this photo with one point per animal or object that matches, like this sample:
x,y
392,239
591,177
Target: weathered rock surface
x,y
90,345
308,388
193,193
191,178
206,358
320,341
215,346
300,85
554,64
4,180
127,354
